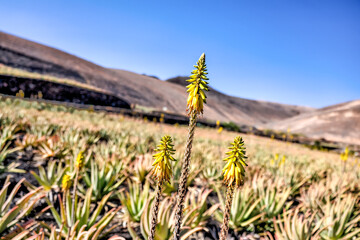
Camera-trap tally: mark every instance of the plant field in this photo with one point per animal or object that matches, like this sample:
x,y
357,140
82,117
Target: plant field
x,y
289,192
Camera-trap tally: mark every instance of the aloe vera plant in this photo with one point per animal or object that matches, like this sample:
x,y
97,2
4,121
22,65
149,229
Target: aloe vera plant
x,y
103,178
197,208
234,173
53,148
173,185
339,219
294,226
161,171
87,216
244,213
134,200
8,133
141,167
9,216
51,177
28,140
274,197
211,174
195,104
53,234
165,227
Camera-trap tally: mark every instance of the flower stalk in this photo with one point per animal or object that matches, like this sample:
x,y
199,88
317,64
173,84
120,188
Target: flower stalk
x,y
162,172
79,163
234,173
228,202
66,185
195,105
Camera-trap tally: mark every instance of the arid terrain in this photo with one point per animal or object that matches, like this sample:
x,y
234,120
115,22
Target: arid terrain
x,y
39,143
336,123
135,88
339,122
75,132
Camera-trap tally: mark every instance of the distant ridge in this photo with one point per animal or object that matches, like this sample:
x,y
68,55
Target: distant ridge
x,y
341,121
135,88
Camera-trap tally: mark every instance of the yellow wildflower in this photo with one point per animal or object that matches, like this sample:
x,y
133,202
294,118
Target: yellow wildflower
x,y
198,84
161,167
234,170
220,129
79,163
345,155
282,161
66,182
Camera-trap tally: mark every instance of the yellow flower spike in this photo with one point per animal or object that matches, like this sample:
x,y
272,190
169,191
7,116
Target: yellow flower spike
x,y
66,182
197,87
282,161
220,129
161,167
272,161
79,163
217,123
345,155
234,170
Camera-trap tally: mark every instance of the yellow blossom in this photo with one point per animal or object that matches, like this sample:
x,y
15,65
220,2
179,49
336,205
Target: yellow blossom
x,y
197,87
161,167
345,155
282,161
79,163
220,129
234,170
66,182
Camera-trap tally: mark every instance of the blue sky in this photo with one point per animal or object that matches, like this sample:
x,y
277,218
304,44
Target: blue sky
x,y
296,52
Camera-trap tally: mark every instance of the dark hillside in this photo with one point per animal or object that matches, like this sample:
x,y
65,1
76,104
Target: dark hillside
x,y
136,88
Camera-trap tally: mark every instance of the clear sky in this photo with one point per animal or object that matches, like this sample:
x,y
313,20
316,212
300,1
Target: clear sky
x,y
302,52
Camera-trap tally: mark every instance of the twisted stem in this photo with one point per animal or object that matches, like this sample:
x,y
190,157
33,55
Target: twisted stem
x,y
155,211
225,225
184,177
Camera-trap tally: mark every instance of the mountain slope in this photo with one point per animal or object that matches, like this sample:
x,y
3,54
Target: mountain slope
x,y
240,110
340,123
135,88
